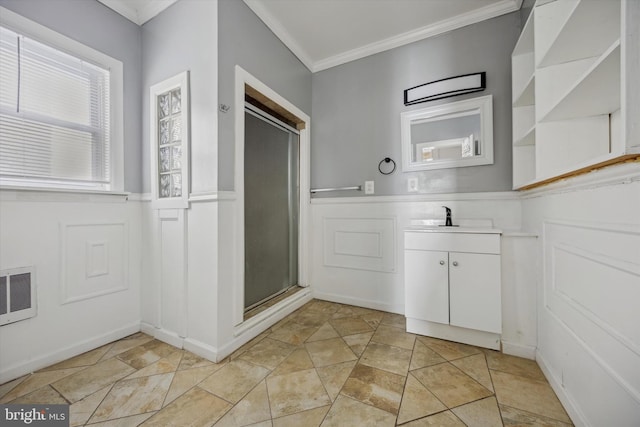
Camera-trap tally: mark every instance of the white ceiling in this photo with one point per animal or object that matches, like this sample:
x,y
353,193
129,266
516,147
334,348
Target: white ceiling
x,y
138,11
326,33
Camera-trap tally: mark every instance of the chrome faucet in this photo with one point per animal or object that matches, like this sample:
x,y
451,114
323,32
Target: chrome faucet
x,y
448,222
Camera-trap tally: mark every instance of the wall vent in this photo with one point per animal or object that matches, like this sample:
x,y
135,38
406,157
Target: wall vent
x,y
17,294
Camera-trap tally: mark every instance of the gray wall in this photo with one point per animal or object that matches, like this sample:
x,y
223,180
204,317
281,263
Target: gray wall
x,y
525,10
244,40
95,25
356,110
183,38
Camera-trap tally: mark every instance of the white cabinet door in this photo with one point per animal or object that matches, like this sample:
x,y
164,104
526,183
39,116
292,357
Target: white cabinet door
x,y
427,285
474,291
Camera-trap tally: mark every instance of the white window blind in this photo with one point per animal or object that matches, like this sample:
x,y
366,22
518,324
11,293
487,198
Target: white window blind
x,y
54,116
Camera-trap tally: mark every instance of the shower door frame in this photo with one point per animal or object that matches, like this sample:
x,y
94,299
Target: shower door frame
x,y
243,78
293,196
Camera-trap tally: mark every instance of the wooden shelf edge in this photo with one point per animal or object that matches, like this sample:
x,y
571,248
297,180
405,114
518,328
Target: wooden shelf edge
x,y
627,158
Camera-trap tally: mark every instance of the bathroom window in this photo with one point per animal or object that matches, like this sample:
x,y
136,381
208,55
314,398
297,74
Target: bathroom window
x,y
60,111
170,141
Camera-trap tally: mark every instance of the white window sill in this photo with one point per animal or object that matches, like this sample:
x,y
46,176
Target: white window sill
x,y
18,193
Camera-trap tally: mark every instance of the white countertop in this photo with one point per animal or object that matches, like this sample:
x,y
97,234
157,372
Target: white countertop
x,y
443,229
477,226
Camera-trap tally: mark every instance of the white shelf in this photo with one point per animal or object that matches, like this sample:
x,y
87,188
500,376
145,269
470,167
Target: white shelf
x,y
527,95
525,41
523,100
576,29
529,138
564,146
595,92
571,66
523,66
524,162
524,122
553,83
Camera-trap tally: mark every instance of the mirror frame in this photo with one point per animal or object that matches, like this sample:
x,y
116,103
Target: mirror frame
x,y
484,106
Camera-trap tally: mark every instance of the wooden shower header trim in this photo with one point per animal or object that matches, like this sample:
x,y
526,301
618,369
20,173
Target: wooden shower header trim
x,y
273,107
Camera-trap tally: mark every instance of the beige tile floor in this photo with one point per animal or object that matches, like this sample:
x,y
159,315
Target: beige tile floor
x,y
326,364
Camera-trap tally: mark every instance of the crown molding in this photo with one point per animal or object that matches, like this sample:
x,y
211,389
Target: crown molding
x,y
278,29
136,15
491,11
153,8
459,21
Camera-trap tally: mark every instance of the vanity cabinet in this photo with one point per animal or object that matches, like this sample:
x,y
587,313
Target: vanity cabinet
x,y
452,284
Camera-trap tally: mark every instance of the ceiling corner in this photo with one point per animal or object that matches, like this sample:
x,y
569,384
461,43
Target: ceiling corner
x,y
138,11
278,29
150,9
123,8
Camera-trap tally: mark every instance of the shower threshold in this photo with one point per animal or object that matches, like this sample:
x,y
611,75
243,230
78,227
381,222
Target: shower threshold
x,y
261,306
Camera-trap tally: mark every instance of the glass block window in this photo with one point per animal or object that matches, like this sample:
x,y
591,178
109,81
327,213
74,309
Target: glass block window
x,y
170,143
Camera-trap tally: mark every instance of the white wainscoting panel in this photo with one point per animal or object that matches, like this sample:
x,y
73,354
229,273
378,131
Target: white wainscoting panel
x,y
520,262
94,260
360,243
357,243
173,280
86,250
588,292
592,286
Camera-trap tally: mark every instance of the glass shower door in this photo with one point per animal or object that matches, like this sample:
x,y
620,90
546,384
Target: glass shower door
x,y
271,171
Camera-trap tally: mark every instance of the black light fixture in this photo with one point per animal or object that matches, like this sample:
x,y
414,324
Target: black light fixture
x,y
445,88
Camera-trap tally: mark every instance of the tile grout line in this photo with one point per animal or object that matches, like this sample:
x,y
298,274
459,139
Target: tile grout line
x,y
319,311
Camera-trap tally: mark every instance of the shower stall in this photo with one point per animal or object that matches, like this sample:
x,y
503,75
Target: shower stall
x,y
271,207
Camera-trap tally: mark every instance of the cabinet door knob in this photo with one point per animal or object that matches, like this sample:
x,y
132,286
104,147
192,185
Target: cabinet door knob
x,y
441,262
455,263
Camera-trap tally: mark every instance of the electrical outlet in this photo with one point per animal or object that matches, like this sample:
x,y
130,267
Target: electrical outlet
x,y
412,185
368,187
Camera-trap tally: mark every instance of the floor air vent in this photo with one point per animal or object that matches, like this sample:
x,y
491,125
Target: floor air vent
x,y
17,295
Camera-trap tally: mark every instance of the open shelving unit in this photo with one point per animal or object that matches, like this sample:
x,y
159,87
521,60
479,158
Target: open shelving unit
x,y
523,102
569,85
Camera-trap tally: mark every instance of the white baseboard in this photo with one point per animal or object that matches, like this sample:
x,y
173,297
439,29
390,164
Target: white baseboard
x,y
201,349
163,335
520,350
574,413
374,305
169,337
278,311
147,328
31,365
454,333
189,344
246,331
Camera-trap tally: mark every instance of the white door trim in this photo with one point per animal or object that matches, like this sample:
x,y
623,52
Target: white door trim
x,y
242,77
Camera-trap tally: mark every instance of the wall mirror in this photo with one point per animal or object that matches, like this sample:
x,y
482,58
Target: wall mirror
x,y
451,135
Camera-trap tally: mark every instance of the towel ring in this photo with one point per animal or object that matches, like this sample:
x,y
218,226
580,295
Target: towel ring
x,y
387,160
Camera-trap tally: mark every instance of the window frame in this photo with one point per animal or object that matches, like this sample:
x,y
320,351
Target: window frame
x,y
51,38
181,81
